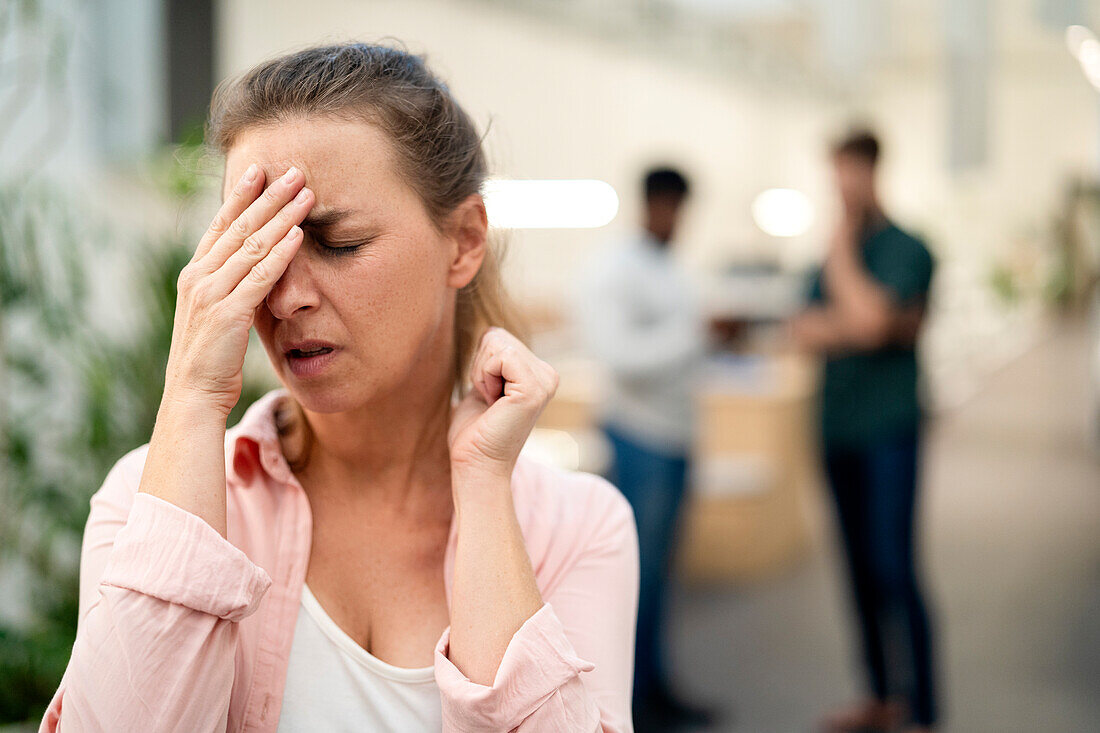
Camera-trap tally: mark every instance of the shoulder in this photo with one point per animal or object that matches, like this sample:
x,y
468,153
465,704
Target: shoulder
x,y
902,242
570,496
566,514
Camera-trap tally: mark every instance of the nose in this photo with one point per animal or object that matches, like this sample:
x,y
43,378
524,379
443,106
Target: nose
x,y
295,290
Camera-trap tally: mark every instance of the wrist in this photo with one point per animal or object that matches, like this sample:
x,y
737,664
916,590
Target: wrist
x,y
481,468
191,408
474,489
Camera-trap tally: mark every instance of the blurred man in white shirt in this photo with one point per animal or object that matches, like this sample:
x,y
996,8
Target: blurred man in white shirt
x,y
639,318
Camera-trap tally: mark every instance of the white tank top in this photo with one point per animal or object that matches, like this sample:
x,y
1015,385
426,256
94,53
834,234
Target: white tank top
x,y
333,684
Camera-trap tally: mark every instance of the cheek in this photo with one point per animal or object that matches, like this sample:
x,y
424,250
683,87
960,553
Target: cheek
x,y
399,296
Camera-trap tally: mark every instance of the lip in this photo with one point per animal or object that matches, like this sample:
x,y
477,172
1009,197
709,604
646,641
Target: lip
x,y
309,366
306,345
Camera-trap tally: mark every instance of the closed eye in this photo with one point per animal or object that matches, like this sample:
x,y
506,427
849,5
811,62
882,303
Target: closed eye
x,y
337,249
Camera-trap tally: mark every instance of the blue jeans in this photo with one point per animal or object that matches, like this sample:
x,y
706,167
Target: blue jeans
x,y
875,490
654,483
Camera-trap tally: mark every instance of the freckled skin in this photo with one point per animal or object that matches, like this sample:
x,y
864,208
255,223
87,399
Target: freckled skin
x,y
389,305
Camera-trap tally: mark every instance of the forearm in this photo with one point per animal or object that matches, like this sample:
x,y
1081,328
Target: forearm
x,y
122,680
186,461
820,329
494,589
158,642
860,302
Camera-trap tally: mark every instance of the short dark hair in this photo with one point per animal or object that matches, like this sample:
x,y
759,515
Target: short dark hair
x,y
860,143
663,181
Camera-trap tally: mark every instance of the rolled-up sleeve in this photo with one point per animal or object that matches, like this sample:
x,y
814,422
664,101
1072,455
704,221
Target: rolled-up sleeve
x,y
570,666
161,592
170,554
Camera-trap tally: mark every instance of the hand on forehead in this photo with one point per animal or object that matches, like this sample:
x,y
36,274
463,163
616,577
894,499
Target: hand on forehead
x,y
349,165
273,170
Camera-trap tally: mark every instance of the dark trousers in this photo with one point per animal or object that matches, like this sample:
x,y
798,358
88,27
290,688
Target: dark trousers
x,y
875,490
654,484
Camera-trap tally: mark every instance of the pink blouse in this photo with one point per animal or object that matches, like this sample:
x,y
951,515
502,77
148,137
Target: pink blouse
x,y
181,629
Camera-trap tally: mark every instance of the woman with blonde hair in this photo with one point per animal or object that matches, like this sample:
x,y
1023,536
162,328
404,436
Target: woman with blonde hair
x,y
366,549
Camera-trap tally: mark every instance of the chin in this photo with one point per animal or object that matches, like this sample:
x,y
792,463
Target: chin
x,y
319,400
324,395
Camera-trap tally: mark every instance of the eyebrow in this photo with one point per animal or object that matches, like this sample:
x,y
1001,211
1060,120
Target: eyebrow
x,y
325,218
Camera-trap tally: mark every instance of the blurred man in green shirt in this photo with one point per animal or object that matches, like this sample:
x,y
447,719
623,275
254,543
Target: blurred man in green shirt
x,y
867,303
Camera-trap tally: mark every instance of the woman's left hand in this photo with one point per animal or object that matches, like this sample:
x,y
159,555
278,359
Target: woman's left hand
x,y
489,426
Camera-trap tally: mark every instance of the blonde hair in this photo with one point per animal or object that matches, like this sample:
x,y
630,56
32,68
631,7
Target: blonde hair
x,y
438,148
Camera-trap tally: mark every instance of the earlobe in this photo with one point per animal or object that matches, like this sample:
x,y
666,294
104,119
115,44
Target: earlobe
x,y
469,232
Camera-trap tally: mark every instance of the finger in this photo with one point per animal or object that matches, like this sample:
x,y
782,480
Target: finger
x,y
477,374
264,274
493,342
492,372
492,380
498,339
524,374
257,245
243,194
254,217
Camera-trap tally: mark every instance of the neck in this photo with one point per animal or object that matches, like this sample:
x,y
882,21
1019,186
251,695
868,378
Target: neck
x,y
866,214
876,217
662,241
391,449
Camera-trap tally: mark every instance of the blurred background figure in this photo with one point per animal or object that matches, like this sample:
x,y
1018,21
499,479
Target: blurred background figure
x,y
639,317
868,302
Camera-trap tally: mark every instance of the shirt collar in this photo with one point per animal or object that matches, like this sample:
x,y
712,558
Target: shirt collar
x,y
254,443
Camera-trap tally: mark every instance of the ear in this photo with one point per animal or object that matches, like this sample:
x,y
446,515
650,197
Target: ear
x,y
468,230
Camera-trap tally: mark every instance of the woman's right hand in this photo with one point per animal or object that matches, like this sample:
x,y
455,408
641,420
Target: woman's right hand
x,y
243,254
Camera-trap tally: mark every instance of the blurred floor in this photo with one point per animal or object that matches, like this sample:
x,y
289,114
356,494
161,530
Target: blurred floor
x,y
1012,556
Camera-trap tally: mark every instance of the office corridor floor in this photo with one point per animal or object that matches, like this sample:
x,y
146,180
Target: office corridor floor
x,y
1011,533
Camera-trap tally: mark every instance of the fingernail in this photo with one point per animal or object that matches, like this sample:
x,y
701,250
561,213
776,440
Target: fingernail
x,y
291,174
302,196
250,174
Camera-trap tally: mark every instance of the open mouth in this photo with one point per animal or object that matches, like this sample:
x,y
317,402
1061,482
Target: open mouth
x,y
305,363
300,354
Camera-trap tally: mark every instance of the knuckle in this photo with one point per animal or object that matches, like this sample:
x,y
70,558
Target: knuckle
x,y
253,246
270,195
259,272
241,224
185,278
218,224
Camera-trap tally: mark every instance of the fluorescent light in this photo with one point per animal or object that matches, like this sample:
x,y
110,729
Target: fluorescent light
x,y
1084,46
1089,56
783,212
1076,35
561,204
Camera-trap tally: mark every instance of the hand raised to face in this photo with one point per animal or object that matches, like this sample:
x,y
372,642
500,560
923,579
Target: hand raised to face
x,y
243,253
